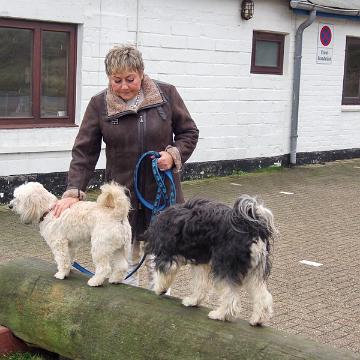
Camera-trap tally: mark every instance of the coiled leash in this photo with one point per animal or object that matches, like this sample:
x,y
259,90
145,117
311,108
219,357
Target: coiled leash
x,y
162,199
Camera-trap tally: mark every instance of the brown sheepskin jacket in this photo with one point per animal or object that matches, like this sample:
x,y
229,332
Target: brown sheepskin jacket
x,y
161,122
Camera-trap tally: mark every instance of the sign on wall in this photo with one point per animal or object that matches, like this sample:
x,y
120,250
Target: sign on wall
x,y
325,44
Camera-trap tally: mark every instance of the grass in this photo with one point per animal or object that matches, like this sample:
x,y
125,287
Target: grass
x,y
267,170
21,356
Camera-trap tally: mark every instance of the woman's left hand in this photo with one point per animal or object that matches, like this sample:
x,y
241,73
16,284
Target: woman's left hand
x,y
165,161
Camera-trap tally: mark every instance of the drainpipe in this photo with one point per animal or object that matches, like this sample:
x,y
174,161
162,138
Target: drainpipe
x,y
296,85
137,23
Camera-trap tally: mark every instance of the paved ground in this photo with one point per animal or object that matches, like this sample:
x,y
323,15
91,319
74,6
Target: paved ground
x,y
317,212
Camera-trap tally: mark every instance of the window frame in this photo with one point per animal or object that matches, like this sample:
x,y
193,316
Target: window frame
x,y
347,100
36,121
271,37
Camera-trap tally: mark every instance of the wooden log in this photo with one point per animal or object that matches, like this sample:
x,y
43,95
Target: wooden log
x,y
122,322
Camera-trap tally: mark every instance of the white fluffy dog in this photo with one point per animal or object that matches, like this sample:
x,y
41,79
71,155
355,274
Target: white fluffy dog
x,y
104,223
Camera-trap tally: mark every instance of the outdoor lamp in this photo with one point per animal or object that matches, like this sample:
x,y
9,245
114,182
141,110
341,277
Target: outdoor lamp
x,y
247,9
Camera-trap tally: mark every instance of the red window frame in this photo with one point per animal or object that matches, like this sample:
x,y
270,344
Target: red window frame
x,y
271,37
36,121
347,100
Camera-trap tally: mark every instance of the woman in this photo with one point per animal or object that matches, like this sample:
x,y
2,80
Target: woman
x,y
133,115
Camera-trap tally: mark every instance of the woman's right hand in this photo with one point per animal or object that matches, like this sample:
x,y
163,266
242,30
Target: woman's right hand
x,y
61,205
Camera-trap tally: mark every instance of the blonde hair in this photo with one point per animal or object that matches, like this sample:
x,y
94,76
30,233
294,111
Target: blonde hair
x,y
123,58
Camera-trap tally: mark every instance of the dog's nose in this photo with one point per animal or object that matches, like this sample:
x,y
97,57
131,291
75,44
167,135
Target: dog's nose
x,y
11,206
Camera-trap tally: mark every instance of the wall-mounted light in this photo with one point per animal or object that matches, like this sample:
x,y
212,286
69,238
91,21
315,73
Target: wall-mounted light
x,y
247,9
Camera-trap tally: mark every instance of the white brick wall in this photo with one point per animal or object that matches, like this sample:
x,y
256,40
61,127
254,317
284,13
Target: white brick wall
x,y
204,48
323,122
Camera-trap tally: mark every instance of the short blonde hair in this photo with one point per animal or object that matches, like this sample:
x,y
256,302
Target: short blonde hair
x,y
123,58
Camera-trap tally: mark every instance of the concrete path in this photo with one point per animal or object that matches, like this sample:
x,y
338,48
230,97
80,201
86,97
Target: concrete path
x,y
317,212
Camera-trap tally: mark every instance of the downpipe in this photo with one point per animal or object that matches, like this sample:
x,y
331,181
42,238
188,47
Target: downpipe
x,y
296,86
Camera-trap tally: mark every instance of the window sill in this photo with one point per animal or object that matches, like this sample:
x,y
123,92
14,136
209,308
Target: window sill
x,y
35,149
39,149
32,126
350,108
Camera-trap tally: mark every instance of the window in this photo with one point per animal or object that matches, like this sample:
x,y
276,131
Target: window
x,y
267,53
351,85
37,74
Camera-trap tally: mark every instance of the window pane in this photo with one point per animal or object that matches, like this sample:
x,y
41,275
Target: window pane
x,y
352,71
266,53
15,72
54,73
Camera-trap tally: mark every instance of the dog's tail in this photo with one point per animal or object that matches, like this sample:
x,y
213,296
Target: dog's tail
x,y
255,214
114,196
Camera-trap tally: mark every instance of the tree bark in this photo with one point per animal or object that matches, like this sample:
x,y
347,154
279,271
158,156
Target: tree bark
x,y
122,322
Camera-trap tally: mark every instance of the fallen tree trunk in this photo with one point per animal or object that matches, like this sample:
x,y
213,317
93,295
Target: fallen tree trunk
x,y
122,322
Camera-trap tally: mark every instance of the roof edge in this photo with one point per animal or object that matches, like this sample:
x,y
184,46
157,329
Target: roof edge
x,y
305,5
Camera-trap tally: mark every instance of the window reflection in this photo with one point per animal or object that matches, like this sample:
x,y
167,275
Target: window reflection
x,y
15,72
266,53
54,73
352,76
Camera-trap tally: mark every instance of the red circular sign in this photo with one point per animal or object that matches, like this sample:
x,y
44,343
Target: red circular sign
x,y
325,35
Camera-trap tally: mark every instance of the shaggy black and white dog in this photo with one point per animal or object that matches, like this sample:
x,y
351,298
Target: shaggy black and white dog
x,y
230,246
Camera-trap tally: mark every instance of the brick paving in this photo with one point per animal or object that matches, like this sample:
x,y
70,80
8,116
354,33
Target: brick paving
x,y
316,210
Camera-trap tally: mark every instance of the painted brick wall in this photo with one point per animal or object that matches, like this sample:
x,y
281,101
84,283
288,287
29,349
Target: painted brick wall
x,y
204,48
323,123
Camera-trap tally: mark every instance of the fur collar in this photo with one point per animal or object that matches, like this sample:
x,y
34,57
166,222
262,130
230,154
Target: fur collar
x,y
115,106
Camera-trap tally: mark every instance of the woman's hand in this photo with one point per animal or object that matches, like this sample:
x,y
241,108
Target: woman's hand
x,y
63,204
165,161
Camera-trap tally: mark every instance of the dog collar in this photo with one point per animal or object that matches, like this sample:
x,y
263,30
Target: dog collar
x,y
44,215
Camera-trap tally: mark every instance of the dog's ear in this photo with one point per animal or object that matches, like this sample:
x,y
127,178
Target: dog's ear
x,y
33,202
30,210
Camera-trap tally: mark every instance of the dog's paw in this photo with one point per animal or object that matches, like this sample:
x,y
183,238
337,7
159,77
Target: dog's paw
x,y
159,291
60,275
95,281
257,320
190,301
116,279
217,315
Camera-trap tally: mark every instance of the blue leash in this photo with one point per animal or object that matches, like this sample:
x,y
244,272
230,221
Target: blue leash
x,y
85,271
162,199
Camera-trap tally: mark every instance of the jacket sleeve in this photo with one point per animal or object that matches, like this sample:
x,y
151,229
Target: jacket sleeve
x,y
85,153
186,133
